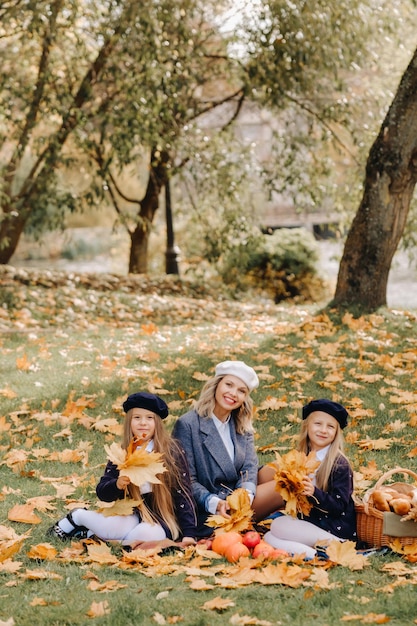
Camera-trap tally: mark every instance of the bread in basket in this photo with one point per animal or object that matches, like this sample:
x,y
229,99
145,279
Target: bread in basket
x,y
388,511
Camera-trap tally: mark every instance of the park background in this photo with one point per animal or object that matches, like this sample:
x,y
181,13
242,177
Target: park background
x,y
79,332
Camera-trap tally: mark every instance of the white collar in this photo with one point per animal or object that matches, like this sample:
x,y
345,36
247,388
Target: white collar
x,y
220,422
321,454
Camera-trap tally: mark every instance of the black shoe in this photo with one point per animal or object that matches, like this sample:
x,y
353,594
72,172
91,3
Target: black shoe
x,y
78,532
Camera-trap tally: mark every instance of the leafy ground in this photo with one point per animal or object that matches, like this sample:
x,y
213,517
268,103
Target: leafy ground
x,y
73,346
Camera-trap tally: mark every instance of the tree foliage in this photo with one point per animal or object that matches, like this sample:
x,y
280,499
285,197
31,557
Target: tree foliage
x,y
103,86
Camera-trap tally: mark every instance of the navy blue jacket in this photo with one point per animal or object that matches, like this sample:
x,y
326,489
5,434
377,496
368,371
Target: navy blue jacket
x,y
334,509
183,500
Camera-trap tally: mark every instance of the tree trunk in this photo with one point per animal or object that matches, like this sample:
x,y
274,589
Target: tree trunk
x,y
139,238
391,175
11,229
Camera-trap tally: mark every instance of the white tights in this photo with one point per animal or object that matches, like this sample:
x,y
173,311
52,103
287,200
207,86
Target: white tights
x,y
124,528
296,536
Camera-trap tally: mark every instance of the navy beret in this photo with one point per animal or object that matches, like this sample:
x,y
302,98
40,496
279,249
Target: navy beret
x,y
144,400
334,409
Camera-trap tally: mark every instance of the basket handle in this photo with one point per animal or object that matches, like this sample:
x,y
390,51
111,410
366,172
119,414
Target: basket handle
x,y
396,470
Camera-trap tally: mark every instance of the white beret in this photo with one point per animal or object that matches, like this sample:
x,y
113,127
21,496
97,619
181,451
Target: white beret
x,y
239,369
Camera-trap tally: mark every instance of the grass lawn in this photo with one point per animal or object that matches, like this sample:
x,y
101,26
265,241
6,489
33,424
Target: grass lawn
x,y
70,353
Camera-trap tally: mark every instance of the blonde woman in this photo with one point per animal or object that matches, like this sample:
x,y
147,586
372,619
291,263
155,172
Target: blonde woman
x,y
168,510
217,436
329,490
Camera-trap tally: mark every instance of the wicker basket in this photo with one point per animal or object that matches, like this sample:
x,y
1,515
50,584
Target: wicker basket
x,y
370,521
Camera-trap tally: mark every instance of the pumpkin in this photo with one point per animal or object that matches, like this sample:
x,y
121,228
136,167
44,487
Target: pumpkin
x,y
263,549
235,551
224,540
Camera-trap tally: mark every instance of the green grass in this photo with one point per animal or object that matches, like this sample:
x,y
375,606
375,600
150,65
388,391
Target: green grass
x,y
69,344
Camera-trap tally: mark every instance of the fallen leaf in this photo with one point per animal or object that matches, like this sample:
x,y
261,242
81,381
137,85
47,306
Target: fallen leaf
x,y
23,513
109,585
246,620
218,604
43,551
344,553
99,609
118,507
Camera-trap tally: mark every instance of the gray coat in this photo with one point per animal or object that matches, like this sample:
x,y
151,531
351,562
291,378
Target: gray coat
x,y
212,471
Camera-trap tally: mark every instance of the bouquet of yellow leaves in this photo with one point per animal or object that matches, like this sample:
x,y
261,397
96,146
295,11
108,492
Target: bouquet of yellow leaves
x,y
141,467
136,463
291,468
240,514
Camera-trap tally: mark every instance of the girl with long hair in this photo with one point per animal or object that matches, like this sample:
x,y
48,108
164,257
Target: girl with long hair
x,y
329,490
218,438
167,509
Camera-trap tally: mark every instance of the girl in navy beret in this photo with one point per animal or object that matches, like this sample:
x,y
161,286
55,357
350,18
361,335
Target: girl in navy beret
x,y
329,490
169,511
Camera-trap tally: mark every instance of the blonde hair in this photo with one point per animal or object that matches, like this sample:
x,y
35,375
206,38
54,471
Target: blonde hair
x,y
336,450
242,416
172,479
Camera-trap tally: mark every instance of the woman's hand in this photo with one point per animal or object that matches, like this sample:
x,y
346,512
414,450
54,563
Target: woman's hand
x,y
223,508
122,482
308,486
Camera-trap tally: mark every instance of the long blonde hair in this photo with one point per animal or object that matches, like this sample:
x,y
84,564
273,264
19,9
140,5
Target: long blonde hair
x,y
334,453
243,415
162,499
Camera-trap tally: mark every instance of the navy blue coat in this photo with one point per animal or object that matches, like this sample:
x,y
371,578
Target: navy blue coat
x,y
184,507
334,509
211,469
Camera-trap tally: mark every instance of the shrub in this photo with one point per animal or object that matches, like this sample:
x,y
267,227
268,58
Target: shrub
x,y
282,264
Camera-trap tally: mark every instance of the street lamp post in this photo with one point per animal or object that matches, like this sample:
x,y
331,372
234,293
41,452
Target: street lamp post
x,y
172,251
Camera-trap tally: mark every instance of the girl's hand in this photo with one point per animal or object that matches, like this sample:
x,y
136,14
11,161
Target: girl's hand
x,y
122,482
308,486
187,541
223,508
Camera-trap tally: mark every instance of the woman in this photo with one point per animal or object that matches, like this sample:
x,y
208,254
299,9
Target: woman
x,y
217,436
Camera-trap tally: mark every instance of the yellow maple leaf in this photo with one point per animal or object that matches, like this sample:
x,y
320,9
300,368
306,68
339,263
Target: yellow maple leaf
x,y
139,465
344,553
23,363
376,444
409,551
118,507
217,604
43,551
240,514
9,548
369,618
101,553
109,585
98,609
283,574
290,469
39,574
23,513
109,425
